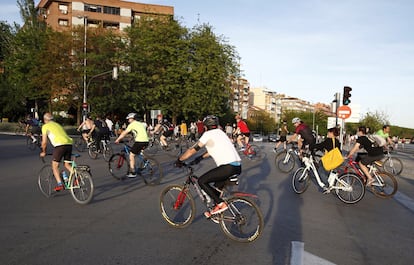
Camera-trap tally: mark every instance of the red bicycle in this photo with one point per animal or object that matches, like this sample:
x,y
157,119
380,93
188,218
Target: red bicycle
x,y
385,184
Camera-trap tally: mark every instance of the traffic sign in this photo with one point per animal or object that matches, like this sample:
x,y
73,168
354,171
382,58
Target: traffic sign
x,y
344,112
85,105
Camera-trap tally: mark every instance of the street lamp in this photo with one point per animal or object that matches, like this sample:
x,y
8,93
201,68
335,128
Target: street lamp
x,y
85,104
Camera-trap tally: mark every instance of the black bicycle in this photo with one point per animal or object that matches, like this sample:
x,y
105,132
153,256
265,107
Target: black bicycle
x,y
147,167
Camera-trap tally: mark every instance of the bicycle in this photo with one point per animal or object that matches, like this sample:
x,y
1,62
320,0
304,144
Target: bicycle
x,y
348,188
148,167
391,164
173,149
250,151
242,221
79,183
106,149
385,184
286,160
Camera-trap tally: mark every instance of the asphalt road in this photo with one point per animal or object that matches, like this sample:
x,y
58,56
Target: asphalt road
x,y
123,225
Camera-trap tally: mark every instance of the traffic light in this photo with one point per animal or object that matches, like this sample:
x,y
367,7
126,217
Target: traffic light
x,y
347,95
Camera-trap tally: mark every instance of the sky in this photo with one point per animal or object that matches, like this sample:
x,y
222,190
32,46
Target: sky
x,y
311,49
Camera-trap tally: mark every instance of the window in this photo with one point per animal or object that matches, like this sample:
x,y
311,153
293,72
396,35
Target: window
x,y
63,22
111,10
63,9
93,8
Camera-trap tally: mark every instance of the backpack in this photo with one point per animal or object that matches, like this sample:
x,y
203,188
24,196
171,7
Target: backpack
x,y
376,140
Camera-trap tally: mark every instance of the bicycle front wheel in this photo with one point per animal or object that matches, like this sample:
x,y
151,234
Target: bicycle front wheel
x,y
301,180
118,166
385,185
242,221
151,171
177,206
81,187
393,165
285,162
349,188
46,181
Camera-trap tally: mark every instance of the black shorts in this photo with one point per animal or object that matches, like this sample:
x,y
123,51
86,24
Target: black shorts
x,y
247,134
168,133
282,139
64,151
86,131
365,159
138,147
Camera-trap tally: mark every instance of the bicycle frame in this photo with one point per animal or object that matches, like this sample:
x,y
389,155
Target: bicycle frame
x,y
310,165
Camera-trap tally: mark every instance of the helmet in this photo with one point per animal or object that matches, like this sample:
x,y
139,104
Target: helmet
x,y
131,115
295,120
211,122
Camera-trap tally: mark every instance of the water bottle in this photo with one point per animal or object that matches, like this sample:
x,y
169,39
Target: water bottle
x,y
65,176
208,199
331,178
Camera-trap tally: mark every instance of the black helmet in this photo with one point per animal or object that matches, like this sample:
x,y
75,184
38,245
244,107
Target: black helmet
x,y
211,122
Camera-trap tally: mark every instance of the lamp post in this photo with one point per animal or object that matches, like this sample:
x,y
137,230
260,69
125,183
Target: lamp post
x,y
85,104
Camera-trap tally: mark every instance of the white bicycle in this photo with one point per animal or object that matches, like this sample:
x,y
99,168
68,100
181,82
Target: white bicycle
x,y
348,188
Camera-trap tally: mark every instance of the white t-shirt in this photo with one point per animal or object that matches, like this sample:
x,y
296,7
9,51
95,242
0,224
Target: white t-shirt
x,y
219,146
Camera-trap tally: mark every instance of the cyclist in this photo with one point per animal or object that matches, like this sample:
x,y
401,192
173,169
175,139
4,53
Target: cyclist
x,y
303,134
242,132
385,133
99,131
222,150
165,128
34,126
62,144
373,153
86,126
141,140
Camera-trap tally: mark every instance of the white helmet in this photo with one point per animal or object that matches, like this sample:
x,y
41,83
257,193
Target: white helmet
x,y
295,120
131,115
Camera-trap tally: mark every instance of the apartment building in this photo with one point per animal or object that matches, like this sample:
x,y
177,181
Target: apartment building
x,y
240,98
114,14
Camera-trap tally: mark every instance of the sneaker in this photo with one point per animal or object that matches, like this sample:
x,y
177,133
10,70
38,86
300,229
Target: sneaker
x,y
207,214
242,149
132,175
221,207
34,141
274,150
59,188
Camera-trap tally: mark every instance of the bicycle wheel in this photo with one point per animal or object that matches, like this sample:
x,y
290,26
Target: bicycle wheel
x,y
118,166
254,153
350,188
242,221
285,162
93,151
46,181
393,165
177,206
301,180
107,152
80,144
385,185
151,171
81,187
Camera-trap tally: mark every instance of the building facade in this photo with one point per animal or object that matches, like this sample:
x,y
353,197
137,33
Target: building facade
x,y
115,14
